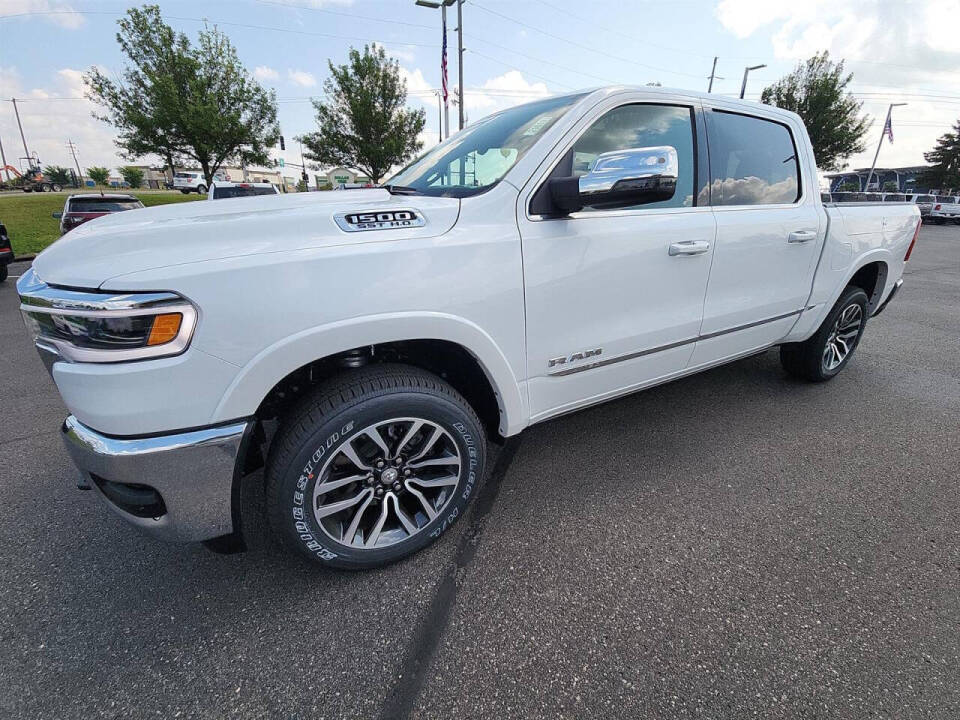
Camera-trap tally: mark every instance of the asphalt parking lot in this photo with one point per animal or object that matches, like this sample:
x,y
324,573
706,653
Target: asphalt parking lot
x,y
731,545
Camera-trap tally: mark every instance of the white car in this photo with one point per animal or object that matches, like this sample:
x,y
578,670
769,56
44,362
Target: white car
x,y
221,189
946,208
189,181
366,345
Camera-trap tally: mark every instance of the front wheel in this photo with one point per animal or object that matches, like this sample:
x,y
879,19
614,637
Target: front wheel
x,y
201,189
373,467
827,352
3,272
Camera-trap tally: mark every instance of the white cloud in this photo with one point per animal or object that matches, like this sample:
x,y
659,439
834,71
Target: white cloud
x,y
501,92
48,123
404,53
301,78
893,49
55,11
264,72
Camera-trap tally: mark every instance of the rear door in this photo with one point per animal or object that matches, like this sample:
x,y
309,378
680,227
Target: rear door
x,y
609,306
770,231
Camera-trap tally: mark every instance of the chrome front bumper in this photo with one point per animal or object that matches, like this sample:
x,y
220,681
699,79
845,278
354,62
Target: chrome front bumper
x,y
177,487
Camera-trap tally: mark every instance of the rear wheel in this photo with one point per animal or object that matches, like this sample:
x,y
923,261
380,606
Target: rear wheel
x,y
56,188
373,467
827,352
3,272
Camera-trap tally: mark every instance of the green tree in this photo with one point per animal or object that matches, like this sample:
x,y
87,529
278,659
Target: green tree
x,y
364,122
945,161
100,175
133,175
183,102
57,174
817,91
891,186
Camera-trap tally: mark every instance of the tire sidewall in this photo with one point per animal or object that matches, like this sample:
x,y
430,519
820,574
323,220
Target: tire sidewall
x,y
850,296
292,514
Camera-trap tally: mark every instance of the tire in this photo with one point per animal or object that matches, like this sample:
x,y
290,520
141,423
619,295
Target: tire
x,y
3,272
55,188
201,189
811,359
185,192
412,485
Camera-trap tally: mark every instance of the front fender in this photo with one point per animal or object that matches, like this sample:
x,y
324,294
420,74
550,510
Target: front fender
x,y
267,368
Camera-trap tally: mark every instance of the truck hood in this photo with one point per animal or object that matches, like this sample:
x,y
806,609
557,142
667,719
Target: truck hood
x,y
189,232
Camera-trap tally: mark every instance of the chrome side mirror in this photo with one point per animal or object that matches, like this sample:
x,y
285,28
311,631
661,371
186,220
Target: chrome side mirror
x,y
619,179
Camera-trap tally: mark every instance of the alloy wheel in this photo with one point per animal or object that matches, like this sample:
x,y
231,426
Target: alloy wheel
x,y
386,483
842,337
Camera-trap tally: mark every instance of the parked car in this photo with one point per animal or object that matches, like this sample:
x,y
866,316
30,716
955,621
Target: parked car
x,y
194,181
923,202
221,190
366,345
894,197
78,209
946,208
6,252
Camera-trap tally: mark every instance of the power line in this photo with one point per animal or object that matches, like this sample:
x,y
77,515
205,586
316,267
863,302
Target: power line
x,y
580,45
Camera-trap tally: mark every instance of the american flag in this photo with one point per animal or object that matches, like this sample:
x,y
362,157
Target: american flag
x,y
443,61
887,128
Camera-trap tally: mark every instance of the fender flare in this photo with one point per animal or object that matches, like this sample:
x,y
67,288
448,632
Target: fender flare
x,y
268,367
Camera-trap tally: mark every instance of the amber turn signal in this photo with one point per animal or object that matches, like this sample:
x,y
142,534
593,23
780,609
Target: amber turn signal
x,y
165,328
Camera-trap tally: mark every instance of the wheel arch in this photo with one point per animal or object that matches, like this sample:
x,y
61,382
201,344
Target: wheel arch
x,y
450,346
871,277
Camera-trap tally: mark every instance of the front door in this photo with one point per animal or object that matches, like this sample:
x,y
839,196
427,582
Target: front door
x,y
609,308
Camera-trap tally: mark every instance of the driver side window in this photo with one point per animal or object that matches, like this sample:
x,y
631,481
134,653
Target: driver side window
x,y
638,126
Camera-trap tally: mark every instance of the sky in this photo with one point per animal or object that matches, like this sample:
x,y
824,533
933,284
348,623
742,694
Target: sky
x,y
515,51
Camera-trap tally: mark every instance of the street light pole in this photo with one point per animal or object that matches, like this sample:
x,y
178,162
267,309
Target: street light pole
x,y
439,94
443,5
460,56
713,75
877,153
746,71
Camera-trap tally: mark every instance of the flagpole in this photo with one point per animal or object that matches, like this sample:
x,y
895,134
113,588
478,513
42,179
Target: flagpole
x,y
446,106
883,133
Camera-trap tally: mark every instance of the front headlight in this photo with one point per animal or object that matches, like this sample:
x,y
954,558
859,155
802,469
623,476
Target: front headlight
x,y
83,326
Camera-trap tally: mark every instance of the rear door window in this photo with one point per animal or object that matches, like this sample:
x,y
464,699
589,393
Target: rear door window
x,y
753,161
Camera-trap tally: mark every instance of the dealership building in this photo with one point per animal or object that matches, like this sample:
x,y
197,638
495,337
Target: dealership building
x,y
904,177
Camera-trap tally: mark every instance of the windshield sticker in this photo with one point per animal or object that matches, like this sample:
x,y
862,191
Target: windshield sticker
x,y
537,126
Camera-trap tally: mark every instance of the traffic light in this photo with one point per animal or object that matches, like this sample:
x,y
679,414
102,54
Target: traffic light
x,y
282,144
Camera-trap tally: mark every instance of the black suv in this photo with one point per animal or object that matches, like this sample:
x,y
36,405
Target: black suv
x,y
6,252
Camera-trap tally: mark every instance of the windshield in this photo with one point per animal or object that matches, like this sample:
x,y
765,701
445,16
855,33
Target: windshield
x,y
476,158
233,192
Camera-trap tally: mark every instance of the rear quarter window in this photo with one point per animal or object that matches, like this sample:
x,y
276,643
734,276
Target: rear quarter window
x,y
753,161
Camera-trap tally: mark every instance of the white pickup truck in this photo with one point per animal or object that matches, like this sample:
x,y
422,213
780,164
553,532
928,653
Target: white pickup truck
x,y
365,345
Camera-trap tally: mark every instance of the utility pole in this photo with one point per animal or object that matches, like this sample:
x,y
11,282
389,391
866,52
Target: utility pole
x,y
3,158
20,125
713,75
303,168
460,55
73,151
883,132
746,71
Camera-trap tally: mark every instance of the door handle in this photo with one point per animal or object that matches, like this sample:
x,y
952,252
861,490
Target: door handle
x,y
801,236
689,247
